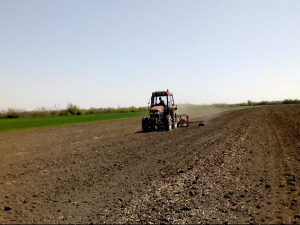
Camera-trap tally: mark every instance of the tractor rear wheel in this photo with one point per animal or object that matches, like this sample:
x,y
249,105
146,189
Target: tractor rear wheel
x,y
174,122
168,124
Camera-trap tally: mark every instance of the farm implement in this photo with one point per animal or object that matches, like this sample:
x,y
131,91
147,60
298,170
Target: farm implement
x,y
162,114
184,121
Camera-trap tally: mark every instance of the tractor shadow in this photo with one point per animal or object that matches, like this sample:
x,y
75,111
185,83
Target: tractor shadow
x,y
201,124
150,131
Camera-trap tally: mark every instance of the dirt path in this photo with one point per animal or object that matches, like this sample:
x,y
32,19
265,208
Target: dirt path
x,y
242,167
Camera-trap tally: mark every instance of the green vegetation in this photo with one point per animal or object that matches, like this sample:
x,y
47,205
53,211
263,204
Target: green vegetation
x,y
35,122
71,110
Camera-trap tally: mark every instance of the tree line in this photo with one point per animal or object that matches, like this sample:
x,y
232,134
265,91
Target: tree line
x,y
74,110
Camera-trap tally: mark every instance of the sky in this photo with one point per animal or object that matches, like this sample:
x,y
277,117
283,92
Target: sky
x,y
115,53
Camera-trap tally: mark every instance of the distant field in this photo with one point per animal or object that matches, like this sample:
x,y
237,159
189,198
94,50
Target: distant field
x,y
27,123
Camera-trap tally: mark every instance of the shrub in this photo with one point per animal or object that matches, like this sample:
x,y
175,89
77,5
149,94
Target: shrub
x,y
63,113
291,101
54,113
73,109
11,113
90,111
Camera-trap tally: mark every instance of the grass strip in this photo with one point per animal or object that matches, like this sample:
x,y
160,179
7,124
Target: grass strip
x,y
36,122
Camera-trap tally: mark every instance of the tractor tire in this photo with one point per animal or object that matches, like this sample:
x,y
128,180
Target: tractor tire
x,y
174,122
168,125
201,124
145,124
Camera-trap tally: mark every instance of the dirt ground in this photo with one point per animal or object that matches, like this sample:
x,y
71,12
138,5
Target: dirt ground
x,y
243,166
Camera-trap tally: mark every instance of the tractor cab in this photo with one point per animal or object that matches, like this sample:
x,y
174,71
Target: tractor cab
x,y
162,101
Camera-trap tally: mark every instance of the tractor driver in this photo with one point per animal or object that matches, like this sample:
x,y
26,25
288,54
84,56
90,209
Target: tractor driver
x,y
161,102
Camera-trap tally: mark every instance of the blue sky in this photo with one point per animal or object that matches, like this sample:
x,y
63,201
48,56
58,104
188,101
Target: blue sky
x,y
110,53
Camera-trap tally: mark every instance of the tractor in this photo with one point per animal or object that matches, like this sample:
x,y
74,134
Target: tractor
x,y
162,112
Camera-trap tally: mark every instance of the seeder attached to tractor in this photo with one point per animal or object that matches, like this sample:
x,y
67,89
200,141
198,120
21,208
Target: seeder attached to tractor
x,y
184,121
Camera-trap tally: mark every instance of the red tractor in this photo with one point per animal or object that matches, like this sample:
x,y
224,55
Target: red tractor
x,y
162,112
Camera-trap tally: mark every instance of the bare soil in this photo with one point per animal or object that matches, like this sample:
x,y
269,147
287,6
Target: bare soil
x,y
243,166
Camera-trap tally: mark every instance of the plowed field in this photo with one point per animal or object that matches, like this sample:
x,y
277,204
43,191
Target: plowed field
x,y
243,166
